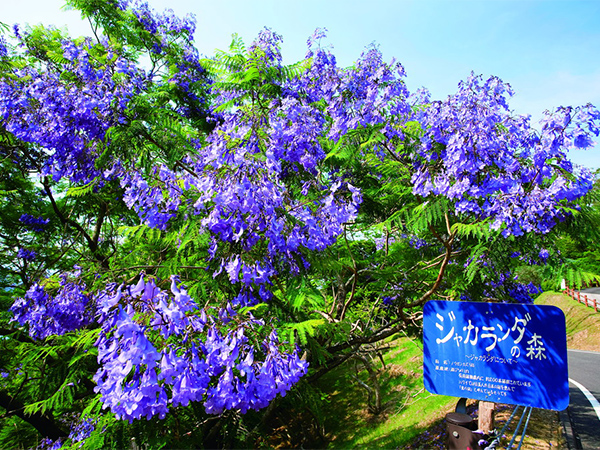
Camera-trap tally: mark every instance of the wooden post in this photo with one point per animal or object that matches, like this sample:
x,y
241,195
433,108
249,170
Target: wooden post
x,y
486,416
585,299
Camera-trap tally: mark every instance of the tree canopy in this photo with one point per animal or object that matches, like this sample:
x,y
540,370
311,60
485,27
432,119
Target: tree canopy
x,y
185,239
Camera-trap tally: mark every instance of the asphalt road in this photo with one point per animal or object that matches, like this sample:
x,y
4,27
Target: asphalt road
x,y
584,391
592,293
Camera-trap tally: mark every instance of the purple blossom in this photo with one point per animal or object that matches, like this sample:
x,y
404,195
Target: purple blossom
x,y
142,378
27,255
82,429
33,223
47,314
484,172
3,48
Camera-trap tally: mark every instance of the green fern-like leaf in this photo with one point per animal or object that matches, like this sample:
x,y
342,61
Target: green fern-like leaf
x,y
80,191
428,213
574,276
301,330
479,230
475,262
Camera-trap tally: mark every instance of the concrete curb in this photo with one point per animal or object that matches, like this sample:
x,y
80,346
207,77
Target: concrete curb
x,y
569,432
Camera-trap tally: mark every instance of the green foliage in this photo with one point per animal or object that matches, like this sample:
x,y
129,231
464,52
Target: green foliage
x,y
407,407
428,214
299,332
477,230
529,274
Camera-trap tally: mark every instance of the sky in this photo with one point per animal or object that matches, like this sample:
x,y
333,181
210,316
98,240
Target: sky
x,y
546,49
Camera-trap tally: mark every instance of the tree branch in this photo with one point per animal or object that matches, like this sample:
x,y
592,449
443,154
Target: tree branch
x,y
354,278
92,244
45,425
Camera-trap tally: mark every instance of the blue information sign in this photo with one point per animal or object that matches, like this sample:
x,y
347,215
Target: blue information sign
x,y
504,353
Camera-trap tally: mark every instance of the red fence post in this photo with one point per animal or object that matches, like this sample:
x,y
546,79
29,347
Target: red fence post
x,y
585,299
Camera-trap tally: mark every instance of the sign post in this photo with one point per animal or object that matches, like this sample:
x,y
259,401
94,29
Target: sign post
x,y
496,352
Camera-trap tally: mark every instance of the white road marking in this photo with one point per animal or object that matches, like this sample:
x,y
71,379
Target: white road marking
x,y
589,396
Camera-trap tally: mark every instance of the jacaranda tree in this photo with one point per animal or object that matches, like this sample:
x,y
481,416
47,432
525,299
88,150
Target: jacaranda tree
x,y
185,240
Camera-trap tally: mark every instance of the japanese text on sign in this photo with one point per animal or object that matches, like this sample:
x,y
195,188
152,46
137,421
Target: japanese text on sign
x,y
492,336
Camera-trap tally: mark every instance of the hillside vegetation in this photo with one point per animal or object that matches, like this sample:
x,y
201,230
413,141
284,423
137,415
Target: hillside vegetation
x,y
583,323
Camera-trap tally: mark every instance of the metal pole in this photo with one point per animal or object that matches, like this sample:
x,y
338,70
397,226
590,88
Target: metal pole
x,y
517,429
496,440
525,429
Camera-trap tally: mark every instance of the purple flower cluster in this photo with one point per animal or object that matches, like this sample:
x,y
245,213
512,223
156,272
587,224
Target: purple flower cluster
x,y
82,429
370,93
172,40
263,187
544,254
524,293
37,224
165,24
506,285
47,314
3,48
69,120
49,444
266,47
413,241
161,351
262,192
494,165
542,257
27,255
388,301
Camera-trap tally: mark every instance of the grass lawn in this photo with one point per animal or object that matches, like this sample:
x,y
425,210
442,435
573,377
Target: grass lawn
x,y
407,409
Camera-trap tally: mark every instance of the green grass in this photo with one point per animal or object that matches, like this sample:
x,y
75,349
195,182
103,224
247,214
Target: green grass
x,y
408,409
